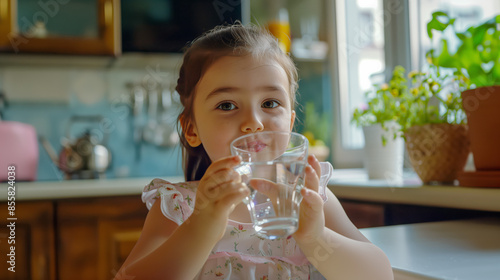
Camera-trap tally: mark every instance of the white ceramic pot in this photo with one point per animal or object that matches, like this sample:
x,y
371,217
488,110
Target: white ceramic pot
x,y
383,162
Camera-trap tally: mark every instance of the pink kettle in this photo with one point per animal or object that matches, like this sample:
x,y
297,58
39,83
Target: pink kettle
x,y
19,148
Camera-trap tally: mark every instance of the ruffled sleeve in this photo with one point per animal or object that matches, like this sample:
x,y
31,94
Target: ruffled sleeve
x,y
176,200
326,174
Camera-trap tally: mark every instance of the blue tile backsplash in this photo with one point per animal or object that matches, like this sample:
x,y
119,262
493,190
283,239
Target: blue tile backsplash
x,y
51,120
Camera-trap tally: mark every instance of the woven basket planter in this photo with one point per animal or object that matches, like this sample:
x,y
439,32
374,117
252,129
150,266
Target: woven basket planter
x,y
437,152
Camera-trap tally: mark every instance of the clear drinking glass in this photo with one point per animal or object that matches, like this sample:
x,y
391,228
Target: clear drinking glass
x,y
272,166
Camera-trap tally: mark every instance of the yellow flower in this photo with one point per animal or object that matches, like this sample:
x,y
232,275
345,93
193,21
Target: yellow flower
x,y
412,74
395,92
384,87
449,98
403,108
310,136
414,91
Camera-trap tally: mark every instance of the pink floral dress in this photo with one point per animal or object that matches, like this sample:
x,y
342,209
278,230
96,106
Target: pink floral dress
x,y
240,254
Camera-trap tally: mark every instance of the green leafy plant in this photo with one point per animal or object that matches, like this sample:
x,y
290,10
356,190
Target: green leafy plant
x,y
383,101
478,54
429,97
384,104
433,97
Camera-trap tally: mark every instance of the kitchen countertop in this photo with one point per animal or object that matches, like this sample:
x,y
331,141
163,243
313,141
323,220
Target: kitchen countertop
x,y
353,184
346,184
79,188
464,249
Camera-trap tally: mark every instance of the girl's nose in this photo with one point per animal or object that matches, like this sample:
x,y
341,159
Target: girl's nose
x,y
252,123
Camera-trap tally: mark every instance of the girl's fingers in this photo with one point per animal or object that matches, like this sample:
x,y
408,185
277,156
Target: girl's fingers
x,y
311,179
223,176
312,219
312,200
215,188
221,172
229,188
232,194
269,188
313,172
314,163
224,163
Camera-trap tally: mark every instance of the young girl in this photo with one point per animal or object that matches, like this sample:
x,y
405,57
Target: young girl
x,y
235,80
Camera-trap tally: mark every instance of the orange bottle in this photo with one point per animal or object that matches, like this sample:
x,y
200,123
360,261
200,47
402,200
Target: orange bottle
x,y
280,28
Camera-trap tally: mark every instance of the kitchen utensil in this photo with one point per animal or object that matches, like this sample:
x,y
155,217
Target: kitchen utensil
x,y
137,98
165,134
82,158
152,92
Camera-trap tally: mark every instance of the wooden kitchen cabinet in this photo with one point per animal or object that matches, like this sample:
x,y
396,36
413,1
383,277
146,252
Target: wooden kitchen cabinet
x,y
364,215
87,238
60,26
34,241
95,235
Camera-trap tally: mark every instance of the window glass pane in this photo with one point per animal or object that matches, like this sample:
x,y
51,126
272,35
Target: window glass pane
x,y
362,56
361,42
466,12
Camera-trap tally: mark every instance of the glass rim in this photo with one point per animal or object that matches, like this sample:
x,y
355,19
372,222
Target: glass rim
x,y
294,134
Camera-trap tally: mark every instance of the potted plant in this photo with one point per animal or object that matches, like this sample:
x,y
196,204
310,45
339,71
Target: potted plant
x,y
478,58
433,124
383,152
428,114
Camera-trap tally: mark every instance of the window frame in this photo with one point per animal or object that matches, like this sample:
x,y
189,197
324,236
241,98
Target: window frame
x,y
397,52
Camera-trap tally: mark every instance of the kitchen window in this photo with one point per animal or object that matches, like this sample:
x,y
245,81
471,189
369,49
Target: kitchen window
x,y
467,13
368,38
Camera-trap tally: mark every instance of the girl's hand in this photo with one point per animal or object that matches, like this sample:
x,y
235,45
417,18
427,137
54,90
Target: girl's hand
x,y
311,217
219,191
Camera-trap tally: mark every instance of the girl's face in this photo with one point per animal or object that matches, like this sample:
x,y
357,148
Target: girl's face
x,y
237,96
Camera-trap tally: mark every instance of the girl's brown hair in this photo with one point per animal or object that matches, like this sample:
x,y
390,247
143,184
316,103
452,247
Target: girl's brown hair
x,y
233,40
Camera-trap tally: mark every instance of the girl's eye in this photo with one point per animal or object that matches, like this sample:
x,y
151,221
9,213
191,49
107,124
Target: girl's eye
x,y
226,106
270,104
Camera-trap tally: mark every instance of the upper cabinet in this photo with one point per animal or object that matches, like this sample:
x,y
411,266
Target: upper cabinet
x,y
90,27
110,27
